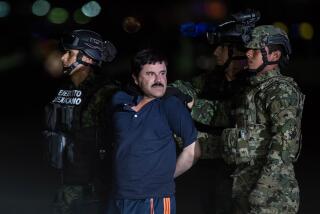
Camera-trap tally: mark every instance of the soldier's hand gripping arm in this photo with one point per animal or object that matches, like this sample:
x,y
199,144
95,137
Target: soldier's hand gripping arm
x,y
185,98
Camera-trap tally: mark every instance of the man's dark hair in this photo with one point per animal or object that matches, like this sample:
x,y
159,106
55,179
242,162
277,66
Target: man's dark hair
x,y
284,60
146,56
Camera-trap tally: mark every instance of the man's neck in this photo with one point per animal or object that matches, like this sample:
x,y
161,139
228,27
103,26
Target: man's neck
x,y
267,69
142,103
79,76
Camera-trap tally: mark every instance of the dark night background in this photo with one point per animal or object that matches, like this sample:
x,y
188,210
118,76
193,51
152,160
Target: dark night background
x,y
27,184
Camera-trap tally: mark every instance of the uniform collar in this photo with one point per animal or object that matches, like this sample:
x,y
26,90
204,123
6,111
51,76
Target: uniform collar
x,y
138,98
255,80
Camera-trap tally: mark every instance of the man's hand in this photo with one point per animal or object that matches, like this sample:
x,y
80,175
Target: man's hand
x,y
187,158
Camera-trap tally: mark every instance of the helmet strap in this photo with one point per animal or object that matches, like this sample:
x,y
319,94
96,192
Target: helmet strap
x,y
265,62
230,59
69,70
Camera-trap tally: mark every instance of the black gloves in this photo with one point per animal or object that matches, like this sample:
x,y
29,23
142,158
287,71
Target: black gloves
x,y
171,91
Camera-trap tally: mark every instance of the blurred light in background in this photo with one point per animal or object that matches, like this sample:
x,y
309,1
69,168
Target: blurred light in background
x,y
53,64
11,61
294,31
91,9
215,9
197,8
282,26
40,7
4,9
131,24
184,60
80,18
306,31
58,15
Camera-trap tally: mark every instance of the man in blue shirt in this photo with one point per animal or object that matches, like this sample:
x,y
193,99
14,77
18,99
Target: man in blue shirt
x,y
145,162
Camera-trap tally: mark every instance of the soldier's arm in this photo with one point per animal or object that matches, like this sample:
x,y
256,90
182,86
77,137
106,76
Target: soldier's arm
x,y
285,106
185,87
211,112
193,88
102,99
278,173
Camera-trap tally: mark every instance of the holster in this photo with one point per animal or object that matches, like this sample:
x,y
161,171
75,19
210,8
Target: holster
x,y
56,144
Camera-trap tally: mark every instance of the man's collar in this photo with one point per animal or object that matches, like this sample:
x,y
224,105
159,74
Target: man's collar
x,y
91,78
261,77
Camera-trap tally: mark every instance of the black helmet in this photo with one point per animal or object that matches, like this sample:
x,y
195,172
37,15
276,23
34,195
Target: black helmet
x,y
91,43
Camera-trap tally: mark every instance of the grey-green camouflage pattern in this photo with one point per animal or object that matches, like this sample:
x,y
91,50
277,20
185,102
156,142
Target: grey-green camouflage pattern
x,y
66,197
186,88
261,36
94,114
264,144
78,199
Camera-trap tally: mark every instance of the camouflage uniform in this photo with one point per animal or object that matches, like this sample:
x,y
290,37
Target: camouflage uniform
x,y
265,144
85,172
265,141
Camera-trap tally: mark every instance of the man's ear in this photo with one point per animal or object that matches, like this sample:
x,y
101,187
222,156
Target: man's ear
x,y
134,79
275,55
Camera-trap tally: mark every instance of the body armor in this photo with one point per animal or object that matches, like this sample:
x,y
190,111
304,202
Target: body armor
x,y
76,131
264,143
250,138
61,116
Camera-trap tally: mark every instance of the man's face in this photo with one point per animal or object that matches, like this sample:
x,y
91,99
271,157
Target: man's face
x,y
69,57
255,58
152,79
236,65
221,54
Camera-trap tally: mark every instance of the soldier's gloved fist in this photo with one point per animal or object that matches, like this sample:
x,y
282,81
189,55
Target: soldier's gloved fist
x,y
171,91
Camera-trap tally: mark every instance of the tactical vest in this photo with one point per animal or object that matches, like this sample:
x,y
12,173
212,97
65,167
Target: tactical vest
x,y
251,137
62,117
74,129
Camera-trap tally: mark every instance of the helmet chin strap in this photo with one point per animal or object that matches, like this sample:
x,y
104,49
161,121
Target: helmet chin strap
x,y
69,70
230,59
265,62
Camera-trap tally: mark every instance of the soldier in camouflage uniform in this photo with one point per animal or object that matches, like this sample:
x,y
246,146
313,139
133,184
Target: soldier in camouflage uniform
x,y
265,140
212,93
76,132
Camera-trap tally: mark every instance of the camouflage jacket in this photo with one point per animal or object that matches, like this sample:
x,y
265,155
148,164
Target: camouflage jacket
x,y
265,141
267,120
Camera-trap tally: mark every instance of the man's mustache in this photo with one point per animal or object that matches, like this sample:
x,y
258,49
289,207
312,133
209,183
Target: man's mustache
x,y
157,84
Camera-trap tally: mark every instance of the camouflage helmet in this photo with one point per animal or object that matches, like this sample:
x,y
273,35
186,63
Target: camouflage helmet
x,y
268,34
